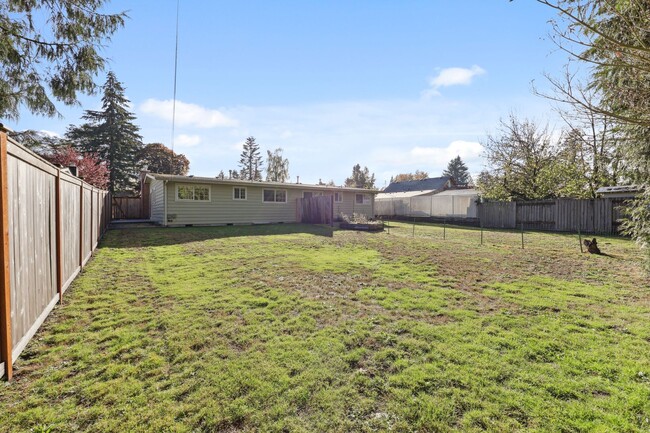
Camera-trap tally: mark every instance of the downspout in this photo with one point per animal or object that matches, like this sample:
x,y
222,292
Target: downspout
x,y
165,202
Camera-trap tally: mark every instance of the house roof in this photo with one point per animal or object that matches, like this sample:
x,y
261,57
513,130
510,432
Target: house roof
x,y
618,189
241,182
408,194
430,184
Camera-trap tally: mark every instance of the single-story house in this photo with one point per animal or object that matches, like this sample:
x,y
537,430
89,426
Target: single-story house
x,y
190,200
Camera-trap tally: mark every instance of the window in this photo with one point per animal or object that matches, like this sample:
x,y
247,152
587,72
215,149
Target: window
x,y
362,199
310,194
239,193
338,197
192,192
275,196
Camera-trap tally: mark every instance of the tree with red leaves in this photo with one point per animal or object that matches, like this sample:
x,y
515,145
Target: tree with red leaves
x,y
89,167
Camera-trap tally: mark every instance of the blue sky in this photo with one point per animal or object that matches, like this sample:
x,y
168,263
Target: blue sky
x,y
392,85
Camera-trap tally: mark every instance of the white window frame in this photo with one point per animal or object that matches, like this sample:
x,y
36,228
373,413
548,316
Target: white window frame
x,y
240,188
193,186
338,197
364,200
275,195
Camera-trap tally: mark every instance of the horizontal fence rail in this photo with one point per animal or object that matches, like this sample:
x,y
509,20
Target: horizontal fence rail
x,y
51,223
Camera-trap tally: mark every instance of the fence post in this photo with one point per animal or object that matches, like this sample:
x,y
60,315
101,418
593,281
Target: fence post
x,y
5,281
59,241
580,240
522,235
81,225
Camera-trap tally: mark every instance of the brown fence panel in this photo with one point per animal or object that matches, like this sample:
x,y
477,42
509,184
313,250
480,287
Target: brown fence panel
x,y
536,215
316,210
48,230
501,215
128,208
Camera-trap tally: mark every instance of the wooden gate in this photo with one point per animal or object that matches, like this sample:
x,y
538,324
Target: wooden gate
x,y
315,210
127,208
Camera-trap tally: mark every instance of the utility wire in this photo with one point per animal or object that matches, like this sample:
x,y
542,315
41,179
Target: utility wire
x,y
178,3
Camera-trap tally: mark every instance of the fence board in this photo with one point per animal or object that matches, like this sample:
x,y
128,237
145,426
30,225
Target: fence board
x,y
501,215
128,208
33,253
315,210
563,215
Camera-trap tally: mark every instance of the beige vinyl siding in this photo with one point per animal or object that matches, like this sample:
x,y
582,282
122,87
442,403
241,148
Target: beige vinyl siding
x,y
222,209
349,206
157,201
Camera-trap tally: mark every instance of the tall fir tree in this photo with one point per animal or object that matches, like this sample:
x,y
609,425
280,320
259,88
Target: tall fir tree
x,y
458,170
250,161
112,134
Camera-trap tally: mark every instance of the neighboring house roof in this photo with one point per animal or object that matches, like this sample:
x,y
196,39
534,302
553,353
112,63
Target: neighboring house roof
x,y
459,192
620,189
430,184
241,182
409,194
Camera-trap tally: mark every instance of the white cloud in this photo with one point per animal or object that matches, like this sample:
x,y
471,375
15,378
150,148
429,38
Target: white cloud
x,y
187,114
185,140
452,77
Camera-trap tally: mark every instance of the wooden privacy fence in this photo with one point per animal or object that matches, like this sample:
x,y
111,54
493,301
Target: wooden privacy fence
x,y
128,208
51,222
315,210
602,215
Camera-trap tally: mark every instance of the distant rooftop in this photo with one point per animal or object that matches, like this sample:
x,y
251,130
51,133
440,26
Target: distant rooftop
x,y
619,189
430,184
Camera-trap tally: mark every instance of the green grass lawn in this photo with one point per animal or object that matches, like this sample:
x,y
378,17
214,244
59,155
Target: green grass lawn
x,y
293,328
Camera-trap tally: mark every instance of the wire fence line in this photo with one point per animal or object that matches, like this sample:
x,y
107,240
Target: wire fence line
x,y
521,238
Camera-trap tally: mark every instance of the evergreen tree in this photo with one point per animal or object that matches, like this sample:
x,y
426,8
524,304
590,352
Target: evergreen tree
x,y
458,170
360,178
250,160
112,135
49,50
277,167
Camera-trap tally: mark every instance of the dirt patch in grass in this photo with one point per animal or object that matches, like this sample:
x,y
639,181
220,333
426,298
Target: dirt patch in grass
x,y
298,328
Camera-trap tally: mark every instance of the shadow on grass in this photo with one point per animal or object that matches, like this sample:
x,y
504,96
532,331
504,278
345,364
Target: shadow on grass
x,y
160,236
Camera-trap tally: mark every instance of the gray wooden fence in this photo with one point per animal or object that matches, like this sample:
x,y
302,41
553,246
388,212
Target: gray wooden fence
x,y
601,215
51,222
315,210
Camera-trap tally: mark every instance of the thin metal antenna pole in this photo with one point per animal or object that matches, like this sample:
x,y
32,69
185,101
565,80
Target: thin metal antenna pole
x,y
178,5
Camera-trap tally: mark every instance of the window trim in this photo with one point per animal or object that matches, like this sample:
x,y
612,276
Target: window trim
x,y
240,188
275,194
365,199
193,185
339,195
